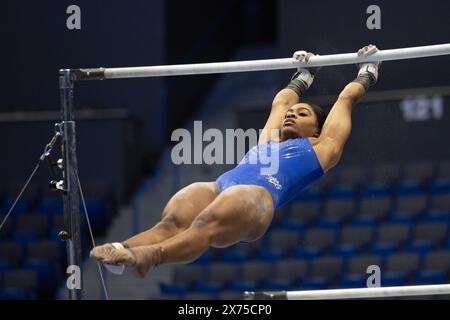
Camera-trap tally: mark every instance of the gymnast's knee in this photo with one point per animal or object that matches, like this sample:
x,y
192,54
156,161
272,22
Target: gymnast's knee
x,y
172,223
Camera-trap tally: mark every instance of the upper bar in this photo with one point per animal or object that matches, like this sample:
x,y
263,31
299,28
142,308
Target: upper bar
x,y
275,64
259,65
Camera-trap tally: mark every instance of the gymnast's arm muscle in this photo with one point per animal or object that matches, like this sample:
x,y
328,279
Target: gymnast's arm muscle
x,y
337,126
285,99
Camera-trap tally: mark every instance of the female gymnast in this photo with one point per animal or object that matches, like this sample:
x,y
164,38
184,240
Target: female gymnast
x,y
239,205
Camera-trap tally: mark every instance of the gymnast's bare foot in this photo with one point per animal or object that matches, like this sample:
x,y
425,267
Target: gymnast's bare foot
x,y
102,252
137,260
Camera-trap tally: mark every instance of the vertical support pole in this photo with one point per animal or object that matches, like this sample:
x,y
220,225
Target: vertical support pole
x,y
71,197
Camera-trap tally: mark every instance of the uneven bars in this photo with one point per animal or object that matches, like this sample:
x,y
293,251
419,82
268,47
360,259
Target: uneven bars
x,y
333,294
258,65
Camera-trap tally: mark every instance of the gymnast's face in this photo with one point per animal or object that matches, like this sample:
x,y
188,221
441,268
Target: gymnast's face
x,y
300,121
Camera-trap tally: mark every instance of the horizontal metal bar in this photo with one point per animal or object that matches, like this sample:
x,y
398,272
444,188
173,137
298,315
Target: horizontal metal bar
x,y
358,293
264,65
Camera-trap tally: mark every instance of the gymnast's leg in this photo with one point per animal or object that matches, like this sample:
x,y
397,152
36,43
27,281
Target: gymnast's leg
x,y
240,213
177,216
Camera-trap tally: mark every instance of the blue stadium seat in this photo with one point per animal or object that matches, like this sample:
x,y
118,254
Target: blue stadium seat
x,y
5,232
419,171
403,217
314,283
11,253
223,272
311,195
358,265
45,250
439,186
375,205
290,269
344,251
340,191
327,180
390,238
283,240
329,223
24,238
393,279
21,279
408,188
353,281
437,216
51,205
98,215
189,273
305,212
420,247
292,224
250,248
280,215
405,263
432,232
205,258
352,175
4,267
166,296
430,277
307,253
208,287
177,289
47,275
437,261
368,220
22,206
270,255
443,170
318,240
241,286
387,173
14,294
37,224
327,267
234,256
412,203
358,237
338,210
383,249
198,296
373,208
277,285
256,271
230,295
440,201
57,221
446,244
375,190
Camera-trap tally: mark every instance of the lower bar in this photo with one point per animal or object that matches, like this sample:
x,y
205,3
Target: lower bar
x,y
359,293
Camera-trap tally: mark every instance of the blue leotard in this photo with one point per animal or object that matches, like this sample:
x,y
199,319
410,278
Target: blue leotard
x,y
298,168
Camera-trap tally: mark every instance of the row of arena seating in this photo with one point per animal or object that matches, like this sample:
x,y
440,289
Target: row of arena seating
x,y
32,258
324,272
386,173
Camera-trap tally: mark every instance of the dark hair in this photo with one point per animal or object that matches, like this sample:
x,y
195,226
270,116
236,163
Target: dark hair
x,y
320,114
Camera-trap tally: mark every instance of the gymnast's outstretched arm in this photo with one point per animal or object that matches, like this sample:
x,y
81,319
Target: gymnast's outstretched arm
x,y
288,97
337,126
